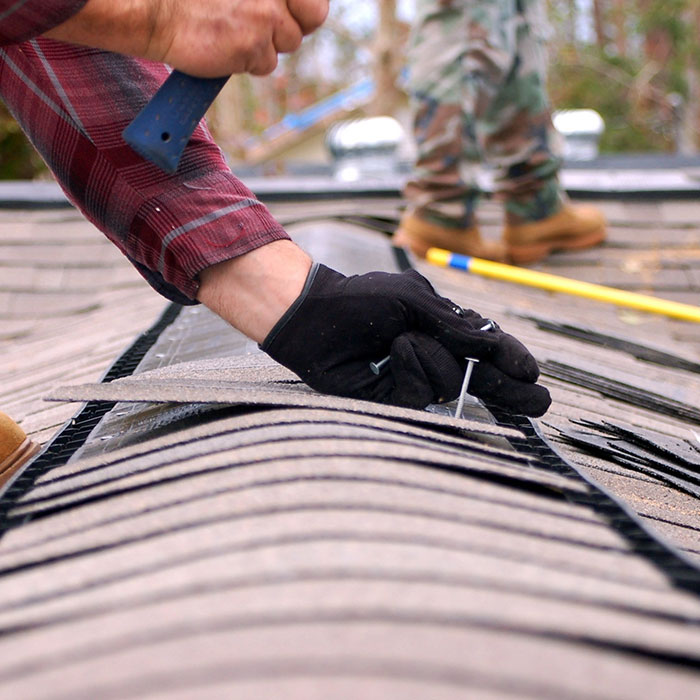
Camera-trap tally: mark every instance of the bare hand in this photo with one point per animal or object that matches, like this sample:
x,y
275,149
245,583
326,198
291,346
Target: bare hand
x,y
207,38
220,37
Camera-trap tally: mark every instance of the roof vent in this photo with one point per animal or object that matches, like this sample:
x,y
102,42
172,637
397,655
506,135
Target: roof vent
x,y
581,130
365,148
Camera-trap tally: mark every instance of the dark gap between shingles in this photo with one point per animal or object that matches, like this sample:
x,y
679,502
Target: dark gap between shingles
x,y
541,488
659,519
98,498
277,541
208,449
375,668
205,522
213,493
436,435
225,623
339,575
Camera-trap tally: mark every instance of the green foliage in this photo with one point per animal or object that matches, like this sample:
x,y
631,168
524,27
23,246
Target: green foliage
x,y
18,159
668,16
598,81
635,74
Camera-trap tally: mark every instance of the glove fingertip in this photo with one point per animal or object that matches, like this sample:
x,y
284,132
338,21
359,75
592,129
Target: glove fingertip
x,y
539,403
516,360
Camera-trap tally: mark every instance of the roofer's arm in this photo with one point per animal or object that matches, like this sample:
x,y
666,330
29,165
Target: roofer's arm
x,y
253,291
328,328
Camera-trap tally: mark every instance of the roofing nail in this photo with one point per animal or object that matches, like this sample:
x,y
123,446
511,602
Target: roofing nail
x,y
471,361
377,367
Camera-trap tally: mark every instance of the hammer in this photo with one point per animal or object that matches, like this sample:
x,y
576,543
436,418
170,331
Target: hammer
x,y
165,125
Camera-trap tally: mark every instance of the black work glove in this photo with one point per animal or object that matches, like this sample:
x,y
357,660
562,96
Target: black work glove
x,y
340,324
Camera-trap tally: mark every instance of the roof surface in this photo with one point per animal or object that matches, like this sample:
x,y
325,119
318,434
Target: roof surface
x,y
224,531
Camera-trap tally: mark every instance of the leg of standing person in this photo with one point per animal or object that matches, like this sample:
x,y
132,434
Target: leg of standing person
x,y
443,192
520,142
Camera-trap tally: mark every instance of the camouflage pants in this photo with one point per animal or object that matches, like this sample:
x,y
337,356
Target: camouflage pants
x,y
477,79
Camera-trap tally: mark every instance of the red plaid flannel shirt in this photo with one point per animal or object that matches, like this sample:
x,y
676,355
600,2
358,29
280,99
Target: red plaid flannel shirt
x,y
74,102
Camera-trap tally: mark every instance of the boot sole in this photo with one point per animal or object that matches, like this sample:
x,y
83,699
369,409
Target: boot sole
x,y
524,254
17,460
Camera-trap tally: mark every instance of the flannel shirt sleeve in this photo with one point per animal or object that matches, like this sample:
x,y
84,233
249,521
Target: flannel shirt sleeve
x,y
24,19
74,102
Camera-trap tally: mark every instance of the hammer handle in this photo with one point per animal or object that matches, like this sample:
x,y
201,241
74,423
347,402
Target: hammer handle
x,y
165,125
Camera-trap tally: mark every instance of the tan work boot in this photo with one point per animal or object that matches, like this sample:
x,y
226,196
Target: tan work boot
x,y
418,235
571,228
15,448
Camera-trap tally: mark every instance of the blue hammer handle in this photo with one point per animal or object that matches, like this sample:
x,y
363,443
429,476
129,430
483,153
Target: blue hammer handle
x,y
164,126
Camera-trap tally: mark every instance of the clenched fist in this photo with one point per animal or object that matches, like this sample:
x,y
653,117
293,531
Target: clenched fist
x,y
207,38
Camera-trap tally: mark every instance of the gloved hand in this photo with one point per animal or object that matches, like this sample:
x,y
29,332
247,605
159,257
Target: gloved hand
x,y
339,324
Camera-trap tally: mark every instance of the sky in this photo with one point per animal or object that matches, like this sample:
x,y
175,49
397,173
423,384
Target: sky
x,y
364,12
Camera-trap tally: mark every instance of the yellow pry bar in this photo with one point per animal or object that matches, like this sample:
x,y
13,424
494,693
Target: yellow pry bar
x,y
555,283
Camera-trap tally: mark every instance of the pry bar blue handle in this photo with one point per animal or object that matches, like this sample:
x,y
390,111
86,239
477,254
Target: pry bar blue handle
x,y
165,125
